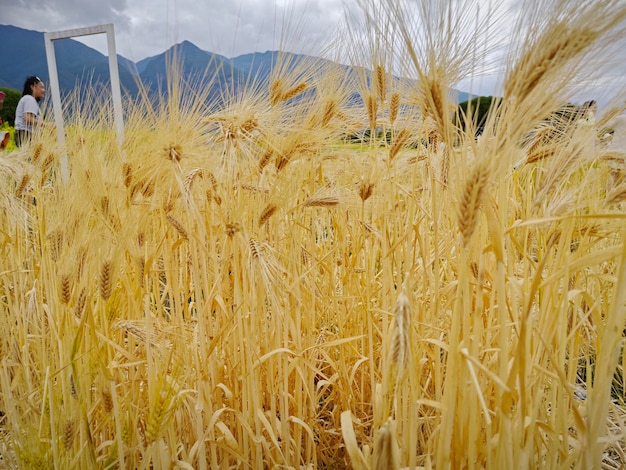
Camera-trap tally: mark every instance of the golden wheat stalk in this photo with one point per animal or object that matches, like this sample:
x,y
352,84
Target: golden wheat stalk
x,y
47,163
541,152
399,142
80,303
366,189
330,109
147,188
276,91
107,401
265,158
266,213
69,431
55,239
138,330
37,149
140,262
386,451
173,152
379,83
232,228
293,91
191,176
127,174
255,249
281,162
618,194
436,103
614,157
372,111
566,161
106,280
22,184
560,206
156,417
471,201
178,226
65,289
253,188
550,52
105,205
401,340
248,125
394,107
322,201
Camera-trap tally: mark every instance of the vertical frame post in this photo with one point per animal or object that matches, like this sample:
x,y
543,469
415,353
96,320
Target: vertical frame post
x,y
114,75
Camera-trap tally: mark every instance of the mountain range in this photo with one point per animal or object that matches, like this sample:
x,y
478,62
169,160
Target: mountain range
x,y
77,64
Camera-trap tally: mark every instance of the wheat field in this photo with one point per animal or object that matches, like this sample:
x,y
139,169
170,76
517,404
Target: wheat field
x,y
238,287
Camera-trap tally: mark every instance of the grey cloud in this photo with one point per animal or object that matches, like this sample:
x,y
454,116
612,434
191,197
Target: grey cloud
x,y
144,28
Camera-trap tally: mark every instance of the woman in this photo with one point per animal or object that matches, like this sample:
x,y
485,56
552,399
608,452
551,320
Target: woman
x,y
28,114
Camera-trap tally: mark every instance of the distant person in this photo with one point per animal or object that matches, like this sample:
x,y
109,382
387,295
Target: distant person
x,y
586,125
617,143
588,111
4,136
617,149
27,113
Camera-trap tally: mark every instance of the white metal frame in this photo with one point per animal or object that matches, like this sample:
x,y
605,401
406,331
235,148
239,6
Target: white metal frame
x,y
116,94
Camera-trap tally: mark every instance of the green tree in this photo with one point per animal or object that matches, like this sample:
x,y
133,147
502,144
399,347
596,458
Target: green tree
x,y
10,103
475,111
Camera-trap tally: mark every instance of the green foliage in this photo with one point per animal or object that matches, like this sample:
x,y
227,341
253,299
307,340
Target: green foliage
x,y
7,113
475,111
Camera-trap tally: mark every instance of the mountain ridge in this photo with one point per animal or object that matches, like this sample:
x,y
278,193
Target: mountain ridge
x,y
79,64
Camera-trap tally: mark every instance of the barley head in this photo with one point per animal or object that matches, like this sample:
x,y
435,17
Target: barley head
x,y
394,107
294,91
69,431
366,189
106,280
471,201
266,214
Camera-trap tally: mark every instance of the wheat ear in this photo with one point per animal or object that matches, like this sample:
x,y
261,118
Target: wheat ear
x,y
69,431
401,342
380,83
293,91
267,213
330,109
106,280
372,110
22,184
178,226
398,143
386,452
366,189
65,289
617,195
471,201
394,107
276,91
322,201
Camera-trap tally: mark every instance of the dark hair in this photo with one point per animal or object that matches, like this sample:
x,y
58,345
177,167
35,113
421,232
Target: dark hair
x,y
30,82
589,104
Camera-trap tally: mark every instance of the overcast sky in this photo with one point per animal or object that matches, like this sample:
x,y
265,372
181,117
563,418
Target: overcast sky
x,y
144,28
